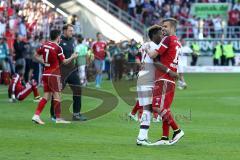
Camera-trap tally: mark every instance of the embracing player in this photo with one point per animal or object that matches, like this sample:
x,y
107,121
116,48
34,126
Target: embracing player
x,y
164,88
145,82
51,55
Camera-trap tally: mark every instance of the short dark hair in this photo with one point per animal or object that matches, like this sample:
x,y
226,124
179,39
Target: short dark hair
x,y
65,27
172,21
98,33
54,34
79,38
153,30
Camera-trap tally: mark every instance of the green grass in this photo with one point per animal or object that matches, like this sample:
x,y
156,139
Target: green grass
x,y
211,133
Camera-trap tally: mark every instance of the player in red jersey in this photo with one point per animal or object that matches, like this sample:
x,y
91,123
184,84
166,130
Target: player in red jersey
x,y
18,91
51,55
99,50
163,92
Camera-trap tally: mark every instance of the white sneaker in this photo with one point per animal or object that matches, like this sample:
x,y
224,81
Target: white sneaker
x,y
37,120
161,143
62,121
37,99
177,137
143,142
133,117
182,85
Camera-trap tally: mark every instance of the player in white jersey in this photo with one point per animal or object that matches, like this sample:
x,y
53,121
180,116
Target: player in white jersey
x,y
146,75
182,63
145,82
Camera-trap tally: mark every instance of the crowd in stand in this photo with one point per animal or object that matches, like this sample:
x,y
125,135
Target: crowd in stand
x,y
152,12
25,25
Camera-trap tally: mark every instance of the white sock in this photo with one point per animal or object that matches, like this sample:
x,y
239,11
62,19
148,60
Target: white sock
x,y
144,125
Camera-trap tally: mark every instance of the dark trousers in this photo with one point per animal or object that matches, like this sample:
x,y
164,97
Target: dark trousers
x,y
118,69
194,59
223,60
108,69
74,83
27,69
216,62
232,60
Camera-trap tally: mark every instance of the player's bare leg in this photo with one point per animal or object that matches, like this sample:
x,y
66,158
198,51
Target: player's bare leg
x,y
145,121
181,82
42,103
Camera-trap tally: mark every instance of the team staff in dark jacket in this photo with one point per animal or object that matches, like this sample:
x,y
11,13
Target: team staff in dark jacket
x,y
69,73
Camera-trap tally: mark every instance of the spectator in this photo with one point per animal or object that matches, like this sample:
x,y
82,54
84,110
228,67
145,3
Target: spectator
x,y
195,26
132,8
5,75
139,10
76,25
236,6
118,59
234,16
132,52
22,28
19,52
147,12
28,54
2,26
217,23
4,53
35,68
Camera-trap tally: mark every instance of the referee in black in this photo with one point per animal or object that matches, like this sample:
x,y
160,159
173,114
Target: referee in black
x,y
69,73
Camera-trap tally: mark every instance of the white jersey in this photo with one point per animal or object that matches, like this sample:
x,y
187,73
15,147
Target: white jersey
x,y
182,58
146,76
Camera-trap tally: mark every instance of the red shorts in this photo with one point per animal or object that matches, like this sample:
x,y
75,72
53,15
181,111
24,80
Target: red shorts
x,y
163,94
52,83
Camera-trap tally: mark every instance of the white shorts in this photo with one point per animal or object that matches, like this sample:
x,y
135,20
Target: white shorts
x,y
144,94
182,63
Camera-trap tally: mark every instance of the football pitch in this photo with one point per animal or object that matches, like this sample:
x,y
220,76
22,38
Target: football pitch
x,y
208,112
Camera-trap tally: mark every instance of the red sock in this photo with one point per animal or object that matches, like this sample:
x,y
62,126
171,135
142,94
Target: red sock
x,y
173,124
165,128
41,105
57,108
171,121
35,91
135,108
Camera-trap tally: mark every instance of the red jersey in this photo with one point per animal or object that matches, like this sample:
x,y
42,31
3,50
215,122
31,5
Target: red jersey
x,y
52,55
233,17
168,50
99,48
15,85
